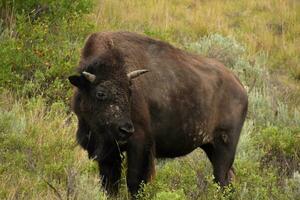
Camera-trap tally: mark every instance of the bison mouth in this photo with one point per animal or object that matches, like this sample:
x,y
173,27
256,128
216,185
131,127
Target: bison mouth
x,y
119,133
105,153
101,146
101,152
123,137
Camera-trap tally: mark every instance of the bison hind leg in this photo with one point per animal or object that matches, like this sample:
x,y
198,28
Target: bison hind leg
x,y
221,153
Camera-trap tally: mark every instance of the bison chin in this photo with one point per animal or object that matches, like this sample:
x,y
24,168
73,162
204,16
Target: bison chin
x,y
102,150
103,143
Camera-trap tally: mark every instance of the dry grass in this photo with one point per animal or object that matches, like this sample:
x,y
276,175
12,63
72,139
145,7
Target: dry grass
x,y
264,25
270,26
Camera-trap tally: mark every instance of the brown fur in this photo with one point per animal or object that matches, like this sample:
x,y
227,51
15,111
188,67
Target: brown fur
x,y
185,101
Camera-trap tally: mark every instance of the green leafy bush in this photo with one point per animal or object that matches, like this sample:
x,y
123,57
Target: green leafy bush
x,y
52,8
281,147
41,55
176,195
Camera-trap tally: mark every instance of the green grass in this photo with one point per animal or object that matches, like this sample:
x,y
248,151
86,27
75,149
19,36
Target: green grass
x,y
257,40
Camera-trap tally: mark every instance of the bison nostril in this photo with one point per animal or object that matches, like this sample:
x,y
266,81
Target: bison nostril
x,y
126,129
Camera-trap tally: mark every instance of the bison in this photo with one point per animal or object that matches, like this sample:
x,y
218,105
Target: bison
x,y
143,96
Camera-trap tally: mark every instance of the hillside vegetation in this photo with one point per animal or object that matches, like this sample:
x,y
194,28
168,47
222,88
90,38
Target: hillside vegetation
x,y
40,42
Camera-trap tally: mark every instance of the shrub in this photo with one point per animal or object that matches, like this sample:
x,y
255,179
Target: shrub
x,y
224,49
42,53
38,155
281,147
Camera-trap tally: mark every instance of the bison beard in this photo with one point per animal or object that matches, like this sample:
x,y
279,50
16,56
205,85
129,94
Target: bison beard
x,y
184,102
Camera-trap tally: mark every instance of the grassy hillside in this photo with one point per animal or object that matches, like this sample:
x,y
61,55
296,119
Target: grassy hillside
x,y
40,45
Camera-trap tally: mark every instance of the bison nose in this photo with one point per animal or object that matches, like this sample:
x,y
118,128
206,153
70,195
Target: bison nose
x,y
126,129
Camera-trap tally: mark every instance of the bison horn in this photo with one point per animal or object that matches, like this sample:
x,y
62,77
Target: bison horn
x,y
136,73
90,77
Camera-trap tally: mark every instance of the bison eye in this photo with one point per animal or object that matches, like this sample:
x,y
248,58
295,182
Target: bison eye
x,y
101,95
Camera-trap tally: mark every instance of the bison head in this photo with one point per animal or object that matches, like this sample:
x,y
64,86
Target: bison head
x,y
103,97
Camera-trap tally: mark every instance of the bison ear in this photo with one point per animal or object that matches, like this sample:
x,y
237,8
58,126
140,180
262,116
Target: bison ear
x,y
78,81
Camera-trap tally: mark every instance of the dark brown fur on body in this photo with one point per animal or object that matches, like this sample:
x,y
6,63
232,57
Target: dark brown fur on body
x,y
184,102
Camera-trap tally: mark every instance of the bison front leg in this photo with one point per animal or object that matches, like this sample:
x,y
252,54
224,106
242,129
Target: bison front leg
x,y
110,174
141,167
